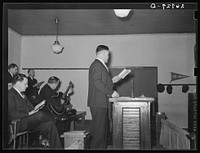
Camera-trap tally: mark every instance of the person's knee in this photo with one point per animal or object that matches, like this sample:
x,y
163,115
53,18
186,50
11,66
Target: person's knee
x,y
51,123
44,117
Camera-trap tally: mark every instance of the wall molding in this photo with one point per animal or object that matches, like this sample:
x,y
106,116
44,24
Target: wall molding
x,y
78,68
57,69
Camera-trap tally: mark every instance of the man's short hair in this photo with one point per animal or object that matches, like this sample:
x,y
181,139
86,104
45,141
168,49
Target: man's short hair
x,y
100,48
12,65
18,77
53,79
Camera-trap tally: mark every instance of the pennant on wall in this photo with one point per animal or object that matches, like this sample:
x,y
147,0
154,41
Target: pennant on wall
x,y
176,76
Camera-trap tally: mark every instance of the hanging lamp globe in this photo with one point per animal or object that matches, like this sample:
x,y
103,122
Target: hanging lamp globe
x,y
57,48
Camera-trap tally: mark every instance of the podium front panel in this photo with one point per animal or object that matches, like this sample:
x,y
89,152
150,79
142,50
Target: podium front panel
x,y
131,125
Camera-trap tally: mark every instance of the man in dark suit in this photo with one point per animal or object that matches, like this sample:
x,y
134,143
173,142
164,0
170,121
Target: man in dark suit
x,y
19,107
12,70
33,86
50,94
100,89
47,91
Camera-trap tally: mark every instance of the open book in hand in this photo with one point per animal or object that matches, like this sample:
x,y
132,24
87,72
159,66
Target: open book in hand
x,y
124,73
40,105
38,84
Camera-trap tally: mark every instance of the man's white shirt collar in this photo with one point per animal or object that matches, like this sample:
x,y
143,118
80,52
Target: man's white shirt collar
x,y
103,63
10,73
18,92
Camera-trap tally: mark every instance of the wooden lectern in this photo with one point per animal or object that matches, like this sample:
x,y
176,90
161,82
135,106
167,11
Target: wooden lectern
x,y
131,122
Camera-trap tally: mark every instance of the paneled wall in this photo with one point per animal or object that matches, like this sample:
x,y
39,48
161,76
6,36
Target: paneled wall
x,y
168,52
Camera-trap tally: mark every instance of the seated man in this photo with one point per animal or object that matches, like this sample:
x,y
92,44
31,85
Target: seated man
x,y
49,89
55,102
19,107
49,93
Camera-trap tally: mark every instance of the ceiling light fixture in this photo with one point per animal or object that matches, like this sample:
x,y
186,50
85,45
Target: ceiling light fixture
x,y
56,47
122,12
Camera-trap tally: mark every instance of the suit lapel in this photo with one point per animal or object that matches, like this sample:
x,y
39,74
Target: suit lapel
x,y
102,65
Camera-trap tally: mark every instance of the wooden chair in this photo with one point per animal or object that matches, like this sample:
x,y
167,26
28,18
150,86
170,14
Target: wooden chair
x,y
17,139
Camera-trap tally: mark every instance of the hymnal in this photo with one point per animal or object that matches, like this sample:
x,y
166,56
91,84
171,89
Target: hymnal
x,y
38,84
124,73
40,105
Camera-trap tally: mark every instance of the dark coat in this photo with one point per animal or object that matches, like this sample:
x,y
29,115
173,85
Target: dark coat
x,y
46,93
100,85
31,91
10,78
18,107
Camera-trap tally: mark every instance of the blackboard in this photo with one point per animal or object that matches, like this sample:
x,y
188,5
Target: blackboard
x,y
141,81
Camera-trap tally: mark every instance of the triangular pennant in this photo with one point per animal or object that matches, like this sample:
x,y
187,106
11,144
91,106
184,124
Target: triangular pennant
x,y
176,76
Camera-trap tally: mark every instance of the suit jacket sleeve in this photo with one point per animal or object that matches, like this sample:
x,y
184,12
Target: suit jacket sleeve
x,y
46,93
104,87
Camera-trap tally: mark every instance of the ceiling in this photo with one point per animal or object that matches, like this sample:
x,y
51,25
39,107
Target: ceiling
x,y
99,21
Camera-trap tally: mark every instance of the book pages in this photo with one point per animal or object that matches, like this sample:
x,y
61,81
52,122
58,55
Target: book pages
x,y
40,105
124,73
38,84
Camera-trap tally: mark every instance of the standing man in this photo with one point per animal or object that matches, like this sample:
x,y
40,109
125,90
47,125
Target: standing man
x,y
100,89
33,86
19,107
12,70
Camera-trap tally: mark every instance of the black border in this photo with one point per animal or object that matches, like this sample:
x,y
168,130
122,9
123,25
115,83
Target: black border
x,y
54,5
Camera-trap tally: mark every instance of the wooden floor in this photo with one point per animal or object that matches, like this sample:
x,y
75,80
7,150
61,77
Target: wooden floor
x,y
78,126
110,147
